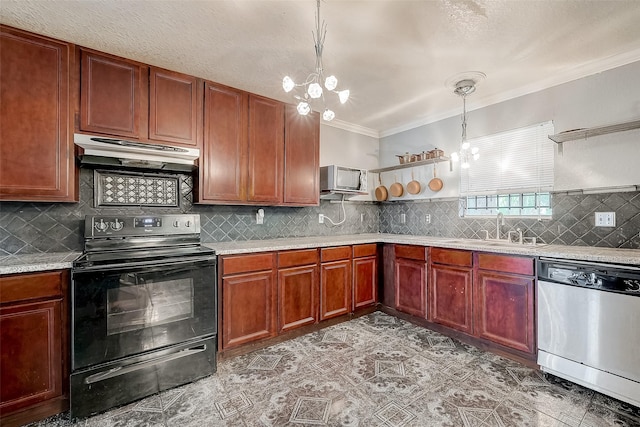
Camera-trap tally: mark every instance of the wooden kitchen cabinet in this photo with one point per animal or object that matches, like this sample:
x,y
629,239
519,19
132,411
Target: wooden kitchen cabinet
x,y
504,300
36,148
411,279
243,150
34,355
365,276
123,98
113,95
451,289
249,292
335,282
297,289
302,158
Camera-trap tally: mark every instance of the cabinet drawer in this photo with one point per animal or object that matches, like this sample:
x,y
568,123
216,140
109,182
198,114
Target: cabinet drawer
x,y
21,287
247,263
411,252
335,254
294,258
368,249
452,257
506,263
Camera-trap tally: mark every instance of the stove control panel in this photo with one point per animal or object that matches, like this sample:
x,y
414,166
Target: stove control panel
x,y
140,225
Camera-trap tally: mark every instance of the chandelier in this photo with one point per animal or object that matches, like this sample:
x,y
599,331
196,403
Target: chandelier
x,y
312,85
464,88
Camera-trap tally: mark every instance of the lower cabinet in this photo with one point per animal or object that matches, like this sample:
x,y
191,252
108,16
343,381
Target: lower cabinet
x,y
365,276
249,293
504,301
410,281
450,290
335,286
34,355
297,289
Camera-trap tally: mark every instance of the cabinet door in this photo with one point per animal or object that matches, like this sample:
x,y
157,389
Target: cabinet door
x,y
31,354
297,297
451,296
410,286
36,146
248,308
266,150
335,289
223,168
365,282
504,309
113,96
175,107
301,159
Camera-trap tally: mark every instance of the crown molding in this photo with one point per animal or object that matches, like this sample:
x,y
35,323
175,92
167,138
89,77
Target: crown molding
x,y
351,127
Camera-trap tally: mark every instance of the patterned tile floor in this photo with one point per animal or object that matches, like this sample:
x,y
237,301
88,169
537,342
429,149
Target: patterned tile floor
x,y
375,370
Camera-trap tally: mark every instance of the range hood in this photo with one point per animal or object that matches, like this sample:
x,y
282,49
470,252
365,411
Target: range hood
x,y
101,151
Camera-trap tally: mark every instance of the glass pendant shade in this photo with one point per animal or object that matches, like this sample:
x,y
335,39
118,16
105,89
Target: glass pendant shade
x,y
343,95
288,84
328,115
303,108
465,145
455,157
331,82
314,90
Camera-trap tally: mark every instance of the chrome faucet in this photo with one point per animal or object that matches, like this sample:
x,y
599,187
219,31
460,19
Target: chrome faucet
x,y
520,237
486,234
499,222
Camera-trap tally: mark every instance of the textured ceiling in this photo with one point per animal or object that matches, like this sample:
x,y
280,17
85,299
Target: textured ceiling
x,y
395,56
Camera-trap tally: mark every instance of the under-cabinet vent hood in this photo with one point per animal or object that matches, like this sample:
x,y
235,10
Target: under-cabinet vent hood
x,y
100,151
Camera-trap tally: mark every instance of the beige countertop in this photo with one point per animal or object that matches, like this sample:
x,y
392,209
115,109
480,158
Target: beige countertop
x,y
54,261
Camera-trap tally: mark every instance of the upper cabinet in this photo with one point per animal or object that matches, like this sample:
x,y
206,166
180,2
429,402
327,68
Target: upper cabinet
x,y
36,148
124,98
302,158
242,158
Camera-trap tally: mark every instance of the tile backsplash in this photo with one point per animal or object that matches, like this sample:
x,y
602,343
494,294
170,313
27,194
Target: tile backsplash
x,y
58,227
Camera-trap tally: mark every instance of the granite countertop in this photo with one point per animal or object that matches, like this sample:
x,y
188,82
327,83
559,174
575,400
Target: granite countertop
x,y
54,261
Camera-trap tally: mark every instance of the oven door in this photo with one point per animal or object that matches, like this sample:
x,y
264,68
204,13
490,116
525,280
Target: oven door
x,y
129,309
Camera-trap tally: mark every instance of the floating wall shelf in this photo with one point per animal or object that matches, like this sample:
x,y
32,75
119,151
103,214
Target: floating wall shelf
x,y
572,135
412,164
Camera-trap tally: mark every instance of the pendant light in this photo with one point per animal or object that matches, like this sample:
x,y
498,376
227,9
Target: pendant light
x,y
313,85
465,86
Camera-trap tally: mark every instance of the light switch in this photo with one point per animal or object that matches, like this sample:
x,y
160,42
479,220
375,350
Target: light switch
x,y
605,219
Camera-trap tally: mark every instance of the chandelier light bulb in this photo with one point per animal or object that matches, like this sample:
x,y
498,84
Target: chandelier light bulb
x,y
288,84
465,145
328,115
455,157
475,150
343,95
465,165
303,108
331,82
476,156
314,90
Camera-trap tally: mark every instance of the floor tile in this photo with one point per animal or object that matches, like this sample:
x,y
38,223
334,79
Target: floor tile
x,y
373,371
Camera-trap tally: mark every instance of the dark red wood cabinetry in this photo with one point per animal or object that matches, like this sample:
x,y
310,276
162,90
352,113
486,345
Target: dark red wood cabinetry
x,y
119,97
249,294
335,287
36,147
504,301
302,158
365,276
450,289
297,288
34,355
113,95
411,279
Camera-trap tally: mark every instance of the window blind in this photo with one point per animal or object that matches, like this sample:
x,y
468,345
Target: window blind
x,y
518,160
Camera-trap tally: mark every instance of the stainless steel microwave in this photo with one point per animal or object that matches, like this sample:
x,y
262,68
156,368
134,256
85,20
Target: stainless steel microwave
x,y
338,179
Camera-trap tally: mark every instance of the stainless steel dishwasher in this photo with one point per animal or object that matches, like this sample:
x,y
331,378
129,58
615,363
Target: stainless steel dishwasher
x,y
589,325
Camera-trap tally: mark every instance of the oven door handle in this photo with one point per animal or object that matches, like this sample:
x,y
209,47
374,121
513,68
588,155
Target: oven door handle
x,y
121,370
157,263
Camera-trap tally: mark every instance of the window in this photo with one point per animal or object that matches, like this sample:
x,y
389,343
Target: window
x,y
513,175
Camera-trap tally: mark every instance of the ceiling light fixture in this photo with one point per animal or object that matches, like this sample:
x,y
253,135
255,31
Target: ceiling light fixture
x,y
312,85
465,85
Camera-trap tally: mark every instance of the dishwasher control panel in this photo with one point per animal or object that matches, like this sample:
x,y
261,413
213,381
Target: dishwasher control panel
x,y
606,277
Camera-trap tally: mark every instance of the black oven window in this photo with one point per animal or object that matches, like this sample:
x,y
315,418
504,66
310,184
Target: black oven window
x,y
139,303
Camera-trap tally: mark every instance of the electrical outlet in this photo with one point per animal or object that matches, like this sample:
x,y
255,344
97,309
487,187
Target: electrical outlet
x,y
403,218
320,219
605,219
427,218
